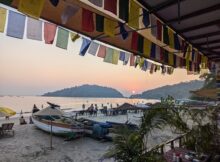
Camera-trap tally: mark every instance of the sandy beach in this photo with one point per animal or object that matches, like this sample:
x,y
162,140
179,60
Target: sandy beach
x,y
31,144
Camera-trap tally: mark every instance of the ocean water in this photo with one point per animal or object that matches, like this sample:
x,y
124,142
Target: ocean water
x,y
25,103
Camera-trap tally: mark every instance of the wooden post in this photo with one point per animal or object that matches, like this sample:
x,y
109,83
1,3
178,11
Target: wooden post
x,y
172,144
162,149
180,142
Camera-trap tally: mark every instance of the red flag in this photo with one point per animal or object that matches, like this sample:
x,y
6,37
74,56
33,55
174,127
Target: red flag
x,y
87,21
159,30
161,54
134,41
111,5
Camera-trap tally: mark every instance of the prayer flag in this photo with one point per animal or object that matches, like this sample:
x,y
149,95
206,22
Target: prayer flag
x,y
62,38
193,55
166,56
96,2
115,57
153,50
132,59
109,55
147,47
144,67
174,60
134,15
171,59
171,38
74,36
49,32
6,2
122,56
159,30
31,8
93,48
102,51
176,42
111,5
3,13
137,61
34,29
87,21
146,19
99,23
165,35
85,45
127,55
157,57
123,10
134,41
68,12
54,2
16,24
123,32
153,21
141,62
109,27
140,43
161,54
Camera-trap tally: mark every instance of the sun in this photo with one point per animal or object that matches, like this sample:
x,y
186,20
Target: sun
x,y
133,92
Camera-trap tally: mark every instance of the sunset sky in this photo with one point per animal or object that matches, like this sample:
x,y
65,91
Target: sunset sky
x,y
29,67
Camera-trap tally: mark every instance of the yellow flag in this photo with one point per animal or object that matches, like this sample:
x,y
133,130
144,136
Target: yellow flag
x,y
134,15
147,47
141,63
31,8
171,38
204,62
74,36
2,19
115,57
109,27
188,51
171,59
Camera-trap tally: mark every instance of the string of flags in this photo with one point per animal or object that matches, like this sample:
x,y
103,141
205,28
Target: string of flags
x,y
128,11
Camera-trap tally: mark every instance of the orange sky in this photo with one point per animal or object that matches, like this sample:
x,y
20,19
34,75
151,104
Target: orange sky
x,y
29,67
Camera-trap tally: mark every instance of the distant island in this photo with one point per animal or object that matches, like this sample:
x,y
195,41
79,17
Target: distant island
x,y
178,91
86,91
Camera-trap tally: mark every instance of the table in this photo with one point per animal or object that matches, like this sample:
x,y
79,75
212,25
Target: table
x,y
169,155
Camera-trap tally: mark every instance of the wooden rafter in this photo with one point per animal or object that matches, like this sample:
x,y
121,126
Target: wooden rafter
x,y
204,35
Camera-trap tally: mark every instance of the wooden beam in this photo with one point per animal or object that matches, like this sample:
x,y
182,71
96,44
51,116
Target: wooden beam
x,y
209,42
204,35
210,23
212,48
196,13
164,5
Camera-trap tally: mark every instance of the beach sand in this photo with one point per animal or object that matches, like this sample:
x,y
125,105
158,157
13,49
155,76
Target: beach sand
x,y
32,144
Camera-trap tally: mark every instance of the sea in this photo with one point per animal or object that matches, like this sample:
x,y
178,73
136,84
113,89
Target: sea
x,y
25,103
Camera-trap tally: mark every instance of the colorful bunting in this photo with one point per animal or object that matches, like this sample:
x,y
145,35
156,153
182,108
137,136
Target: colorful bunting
x,y
123,10
153,50
145,18
49,32
96,2
93,48
109,27
62,38
111,5
115,57
16,24
102,51
74,36
132,60
99,23
134,15
87,21
68,12
31,8
109,55
177,42
165,35
137,61
140,43
161,54
123,32
171,38
144,67
171,59
159,30
157,56
127,56
85,45
34,29
166,56
153,21
147,47
6,2
3,13
134,41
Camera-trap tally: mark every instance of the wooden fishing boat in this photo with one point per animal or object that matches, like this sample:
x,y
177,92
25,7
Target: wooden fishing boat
x,y
58,127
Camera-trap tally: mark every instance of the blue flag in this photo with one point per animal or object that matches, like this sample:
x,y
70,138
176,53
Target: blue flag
x,y
123,32
85,46
146,19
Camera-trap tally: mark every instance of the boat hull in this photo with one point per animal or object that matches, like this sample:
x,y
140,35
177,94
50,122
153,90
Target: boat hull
x,y
61,129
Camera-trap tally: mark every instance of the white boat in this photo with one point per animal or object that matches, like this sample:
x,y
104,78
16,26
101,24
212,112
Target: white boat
x,y
58,127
